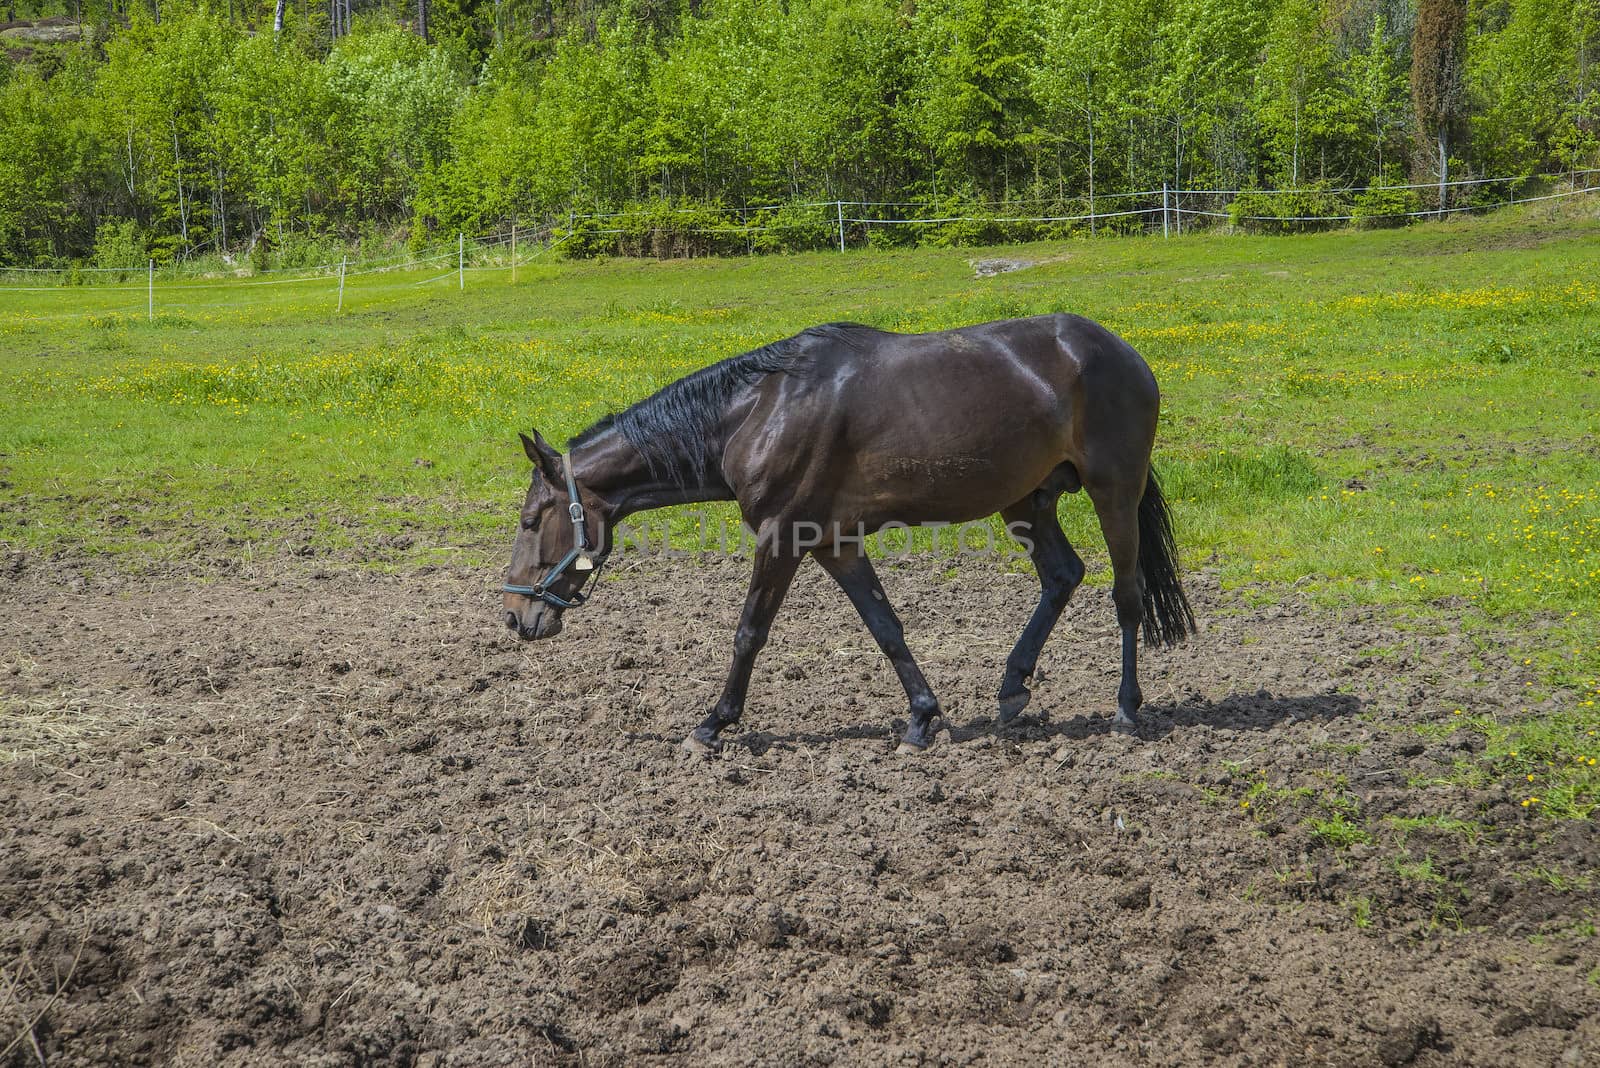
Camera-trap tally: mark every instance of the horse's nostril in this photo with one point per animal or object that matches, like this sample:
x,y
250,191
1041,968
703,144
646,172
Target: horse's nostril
x,y
511,621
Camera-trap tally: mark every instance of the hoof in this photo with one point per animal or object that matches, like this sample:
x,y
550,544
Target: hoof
x,y
696,748
1011,707
1122,723
909,749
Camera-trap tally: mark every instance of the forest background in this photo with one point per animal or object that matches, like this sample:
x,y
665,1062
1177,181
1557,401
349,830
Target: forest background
x,y
273,133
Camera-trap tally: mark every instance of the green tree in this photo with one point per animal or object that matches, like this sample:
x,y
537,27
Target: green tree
x,y
592,115
1301,104
1085,78
1534,79
841,82
495,168
1206,53
272,112
31,201
1377,83
971,105
710,95
392,103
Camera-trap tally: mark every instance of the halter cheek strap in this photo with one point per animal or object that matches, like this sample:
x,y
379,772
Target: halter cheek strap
x,y
578,555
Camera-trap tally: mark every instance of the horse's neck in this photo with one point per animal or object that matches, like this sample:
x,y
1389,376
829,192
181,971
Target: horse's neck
x,y
610,467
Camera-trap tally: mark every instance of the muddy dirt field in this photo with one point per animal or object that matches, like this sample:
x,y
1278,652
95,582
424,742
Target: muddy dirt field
x,y
304,813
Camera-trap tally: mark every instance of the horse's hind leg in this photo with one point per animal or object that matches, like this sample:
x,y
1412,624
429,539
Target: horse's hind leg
x,y
1116,502
855,575
1060,571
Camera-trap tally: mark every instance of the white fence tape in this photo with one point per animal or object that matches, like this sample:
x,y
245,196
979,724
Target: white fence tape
x,y
1164,202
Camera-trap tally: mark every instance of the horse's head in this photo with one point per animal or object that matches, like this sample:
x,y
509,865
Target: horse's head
x,y
562,540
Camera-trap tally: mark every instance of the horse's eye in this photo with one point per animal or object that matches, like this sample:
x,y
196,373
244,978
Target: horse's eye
x,y
530,523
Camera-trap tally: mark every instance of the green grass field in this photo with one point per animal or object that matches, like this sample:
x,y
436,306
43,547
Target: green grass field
x,y
1404,417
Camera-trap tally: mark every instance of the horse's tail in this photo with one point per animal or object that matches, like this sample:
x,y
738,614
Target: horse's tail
x,y
1167,616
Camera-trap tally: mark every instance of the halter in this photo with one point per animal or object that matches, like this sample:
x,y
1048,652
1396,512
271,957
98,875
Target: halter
x,y
578,553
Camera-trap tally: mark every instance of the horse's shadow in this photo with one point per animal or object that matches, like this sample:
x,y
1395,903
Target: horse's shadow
x,y
1259,711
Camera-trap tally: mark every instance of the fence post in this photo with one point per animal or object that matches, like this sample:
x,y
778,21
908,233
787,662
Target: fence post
x,y
342,260
839,207
1444,174
461,260
513,250
1164,216
150,293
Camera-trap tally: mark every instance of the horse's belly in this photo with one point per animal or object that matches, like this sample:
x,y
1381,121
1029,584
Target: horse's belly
x,y
914,489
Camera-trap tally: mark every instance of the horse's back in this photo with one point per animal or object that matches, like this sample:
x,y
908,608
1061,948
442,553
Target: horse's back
x,y
963,421
1060,346
1043,369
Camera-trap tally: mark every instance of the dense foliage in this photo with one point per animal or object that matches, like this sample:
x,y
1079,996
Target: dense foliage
x,y
194,128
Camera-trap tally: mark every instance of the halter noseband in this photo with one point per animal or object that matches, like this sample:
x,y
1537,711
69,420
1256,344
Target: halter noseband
x,y
578,552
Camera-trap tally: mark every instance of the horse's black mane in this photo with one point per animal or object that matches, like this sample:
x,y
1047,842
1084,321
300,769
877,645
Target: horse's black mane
x,y
677,429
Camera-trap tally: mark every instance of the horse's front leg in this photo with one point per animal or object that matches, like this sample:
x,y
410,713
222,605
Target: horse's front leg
x,y
774,571
855,575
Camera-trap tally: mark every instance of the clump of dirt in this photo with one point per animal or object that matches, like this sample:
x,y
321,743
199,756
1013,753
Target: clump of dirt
x,y
294,812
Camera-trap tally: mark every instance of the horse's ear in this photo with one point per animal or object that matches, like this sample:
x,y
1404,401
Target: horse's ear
x,y
546,459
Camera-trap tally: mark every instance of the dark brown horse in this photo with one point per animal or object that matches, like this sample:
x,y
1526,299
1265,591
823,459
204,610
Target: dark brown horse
x,y
843,430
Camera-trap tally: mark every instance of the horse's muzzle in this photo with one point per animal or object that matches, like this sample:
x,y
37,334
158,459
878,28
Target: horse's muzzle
x,y
543,622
